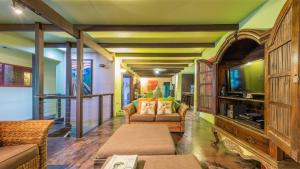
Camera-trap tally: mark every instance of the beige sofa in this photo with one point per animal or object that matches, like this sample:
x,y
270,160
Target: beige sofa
x,y
23,144
175,121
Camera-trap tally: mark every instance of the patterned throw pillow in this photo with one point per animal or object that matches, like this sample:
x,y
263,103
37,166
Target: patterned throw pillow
x,y
147,107
140,100
169,99
164,107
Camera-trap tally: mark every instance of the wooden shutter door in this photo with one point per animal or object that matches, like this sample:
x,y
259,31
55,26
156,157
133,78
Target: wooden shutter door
x,y
282,81
205,86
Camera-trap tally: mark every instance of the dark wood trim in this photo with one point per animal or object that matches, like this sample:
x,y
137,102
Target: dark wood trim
x,y
151,69
139,28
38,74
157,76
100,116
259,36
68,84
88,41
142,45
144,61
158,45
158,55
153,74
79,91
162,28
157,65
42,9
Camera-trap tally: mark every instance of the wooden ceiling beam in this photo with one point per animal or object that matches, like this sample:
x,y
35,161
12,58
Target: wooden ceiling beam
x,y
165,55
128,28
152,71
42,9
159,75
152,61
89,42
156,76
140,45
166,66
158,45
148,69
28,28
161,28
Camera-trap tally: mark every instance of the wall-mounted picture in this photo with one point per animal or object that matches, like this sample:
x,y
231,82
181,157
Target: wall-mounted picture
x,y
87,76
15,76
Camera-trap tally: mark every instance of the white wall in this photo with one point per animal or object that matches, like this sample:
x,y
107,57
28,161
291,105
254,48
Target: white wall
x,y
16,102
103,82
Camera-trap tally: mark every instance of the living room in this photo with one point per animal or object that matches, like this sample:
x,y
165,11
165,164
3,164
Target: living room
x,y
149,84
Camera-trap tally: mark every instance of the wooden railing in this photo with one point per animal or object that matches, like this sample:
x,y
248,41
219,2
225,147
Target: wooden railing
x,y
60,97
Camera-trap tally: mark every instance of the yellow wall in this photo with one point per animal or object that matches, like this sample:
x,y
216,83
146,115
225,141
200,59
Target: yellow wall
x,y
118,88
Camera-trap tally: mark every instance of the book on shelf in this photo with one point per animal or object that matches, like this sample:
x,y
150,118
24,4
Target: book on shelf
x,y
122,162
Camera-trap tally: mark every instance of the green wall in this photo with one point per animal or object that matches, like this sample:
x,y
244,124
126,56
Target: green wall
x,y
263,17
178,80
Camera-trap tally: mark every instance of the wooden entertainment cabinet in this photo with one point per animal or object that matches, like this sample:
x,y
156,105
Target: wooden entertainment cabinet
x,y
276,142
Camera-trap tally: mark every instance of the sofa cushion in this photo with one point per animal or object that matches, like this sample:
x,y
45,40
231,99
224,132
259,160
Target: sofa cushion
x,y
140,100
148,107
13,156
164,107
169,99
136,104
174,117
142,117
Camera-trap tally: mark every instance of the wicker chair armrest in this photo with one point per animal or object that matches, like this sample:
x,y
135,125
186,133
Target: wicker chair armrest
x,y
27,132
182,110
24,132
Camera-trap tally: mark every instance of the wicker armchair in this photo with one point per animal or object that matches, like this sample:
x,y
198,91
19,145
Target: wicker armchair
x,y
14,133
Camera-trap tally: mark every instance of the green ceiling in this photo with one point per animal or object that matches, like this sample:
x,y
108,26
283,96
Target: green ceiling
x,y
139,12
154,11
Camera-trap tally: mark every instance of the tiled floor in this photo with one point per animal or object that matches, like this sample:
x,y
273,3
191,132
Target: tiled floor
x,y
78,153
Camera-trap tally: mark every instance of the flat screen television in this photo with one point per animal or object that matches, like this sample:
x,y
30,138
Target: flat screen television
x,y
248,77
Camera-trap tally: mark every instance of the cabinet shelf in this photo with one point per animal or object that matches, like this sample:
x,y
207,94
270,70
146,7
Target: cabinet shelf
x,y
242,123
240,99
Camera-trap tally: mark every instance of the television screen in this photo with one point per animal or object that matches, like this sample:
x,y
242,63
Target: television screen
x,y
248,77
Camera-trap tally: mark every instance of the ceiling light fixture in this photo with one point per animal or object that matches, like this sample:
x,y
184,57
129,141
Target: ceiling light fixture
x,y
157,72
17,8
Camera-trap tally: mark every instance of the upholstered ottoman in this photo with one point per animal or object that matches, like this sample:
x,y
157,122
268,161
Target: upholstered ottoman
x,y
140,139
166,162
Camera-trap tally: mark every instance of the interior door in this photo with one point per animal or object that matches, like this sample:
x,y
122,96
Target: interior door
x,y
282,81
205,86
126,89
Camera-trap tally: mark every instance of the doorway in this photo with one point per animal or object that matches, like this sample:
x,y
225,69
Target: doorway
x,y
127,92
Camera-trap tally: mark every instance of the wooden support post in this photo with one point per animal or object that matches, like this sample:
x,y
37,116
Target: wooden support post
x,y
38,74
100,117
112,106
59,108
79,91
68,84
